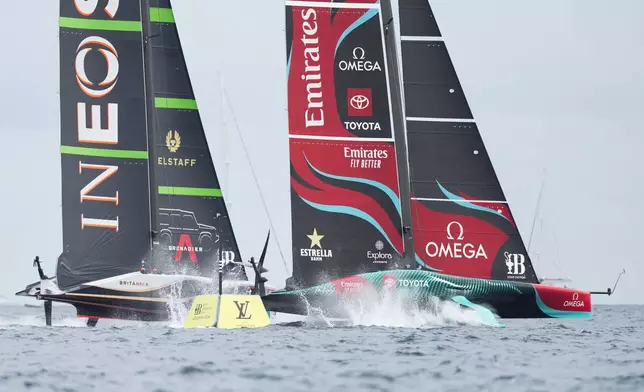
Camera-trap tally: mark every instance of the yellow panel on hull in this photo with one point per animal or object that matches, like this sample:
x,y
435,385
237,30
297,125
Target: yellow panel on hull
x,y
229,311
242,311
203,312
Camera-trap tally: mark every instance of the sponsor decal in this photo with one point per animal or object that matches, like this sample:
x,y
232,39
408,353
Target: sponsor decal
x,y
455,247
242,308
173,143
516,265
389,281
185,245
365,158
179,228
94,134
359,62
132,283
198,309
412,283
227,256
108,51
87,8
575,302
203,312
318,254
351,284
360,104
107,172
379,257
314,113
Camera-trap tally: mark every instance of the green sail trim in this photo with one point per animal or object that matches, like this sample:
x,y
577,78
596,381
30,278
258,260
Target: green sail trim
x,y
161,15
175,103
187,191
103,152
96,24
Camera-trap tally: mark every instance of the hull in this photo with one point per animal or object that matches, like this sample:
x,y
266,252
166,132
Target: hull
x,y
133,296
87,306
417,288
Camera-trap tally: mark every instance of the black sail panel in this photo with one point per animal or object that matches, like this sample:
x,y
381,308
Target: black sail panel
x,y
461,220
190,219
104,155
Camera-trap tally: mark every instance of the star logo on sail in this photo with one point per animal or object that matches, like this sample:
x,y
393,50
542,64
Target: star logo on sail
x,y
173,141
318,254
315,239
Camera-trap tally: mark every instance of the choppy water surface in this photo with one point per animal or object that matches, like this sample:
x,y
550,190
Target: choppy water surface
x,y
451,353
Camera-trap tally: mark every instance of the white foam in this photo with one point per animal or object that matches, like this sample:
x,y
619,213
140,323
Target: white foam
x,y
10,322
395,311
371,309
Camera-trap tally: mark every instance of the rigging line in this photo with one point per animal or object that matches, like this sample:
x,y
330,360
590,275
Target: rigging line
x,y
557,258
536,212
252,170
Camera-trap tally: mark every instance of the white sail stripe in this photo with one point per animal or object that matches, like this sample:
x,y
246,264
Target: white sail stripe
x,y
331,5
343,138
456,201
422,38
435,119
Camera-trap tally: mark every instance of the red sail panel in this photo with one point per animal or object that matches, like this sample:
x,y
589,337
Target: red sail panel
x,y
455,244
338,173
345,197
337,84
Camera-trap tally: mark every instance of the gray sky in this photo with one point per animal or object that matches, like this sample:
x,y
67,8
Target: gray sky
x,y
556,85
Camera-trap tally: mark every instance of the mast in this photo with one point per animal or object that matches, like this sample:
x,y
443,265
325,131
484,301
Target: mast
x,y
150,117
395,82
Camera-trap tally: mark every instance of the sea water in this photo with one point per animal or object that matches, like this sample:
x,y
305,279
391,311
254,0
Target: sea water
x,y
447,351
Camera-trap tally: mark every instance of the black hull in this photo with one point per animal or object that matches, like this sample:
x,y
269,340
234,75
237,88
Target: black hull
x,y
133,296
116,308
522,307
418,290
127,297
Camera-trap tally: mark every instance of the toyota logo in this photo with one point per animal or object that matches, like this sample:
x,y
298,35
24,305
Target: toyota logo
x,y
359,102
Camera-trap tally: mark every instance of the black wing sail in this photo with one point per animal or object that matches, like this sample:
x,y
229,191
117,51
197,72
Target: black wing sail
x,y
104,155
461,220
190,219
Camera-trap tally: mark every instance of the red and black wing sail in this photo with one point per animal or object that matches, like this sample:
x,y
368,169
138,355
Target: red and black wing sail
x,y
345,198
462,223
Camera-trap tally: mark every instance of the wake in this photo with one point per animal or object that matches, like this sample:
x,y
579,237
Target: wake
x,y
393,311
